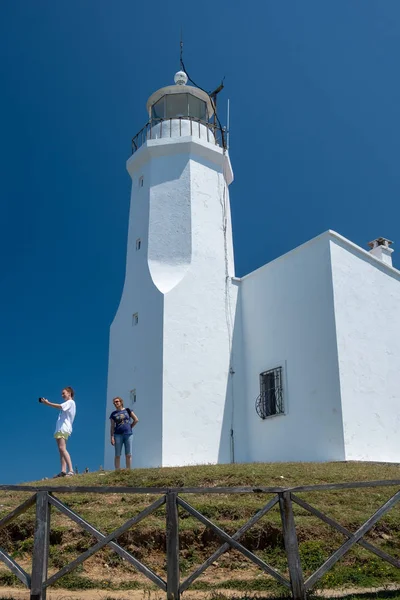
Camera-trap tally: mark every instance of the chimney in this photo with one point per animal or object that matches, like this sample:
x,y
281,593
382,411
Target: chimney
x,y
380,248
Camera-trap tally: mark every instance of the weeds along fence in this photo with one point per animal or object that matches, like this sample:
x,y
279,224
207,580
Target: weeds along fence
x,y
45,500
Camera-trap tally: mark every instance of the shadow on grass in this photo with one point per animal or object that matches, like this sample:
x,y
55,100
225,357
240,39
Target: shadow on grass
x,y
382,594
379,595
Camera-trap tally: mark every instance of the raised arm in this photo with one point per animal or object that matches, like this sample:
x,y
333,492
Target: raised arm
x,y
52,404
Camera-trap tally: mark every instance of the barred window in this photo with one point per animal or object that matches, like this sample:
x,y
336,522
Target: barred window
x,y
270,400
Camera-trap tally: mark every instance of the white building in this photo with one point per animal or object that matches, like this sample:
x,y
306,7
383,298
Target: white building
x,y
297,361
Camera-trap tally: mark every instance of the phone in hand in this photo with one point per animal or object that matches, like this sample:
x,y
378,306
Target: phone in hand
x,y
41,399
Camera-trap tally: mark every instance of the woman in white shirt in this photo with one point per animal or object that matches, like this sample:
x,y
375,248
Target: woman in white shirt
x,y
64,428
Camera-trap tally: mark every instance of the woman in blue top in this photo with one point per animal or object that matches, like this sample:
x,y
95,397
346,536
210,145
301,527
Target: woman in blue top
x,y
121,431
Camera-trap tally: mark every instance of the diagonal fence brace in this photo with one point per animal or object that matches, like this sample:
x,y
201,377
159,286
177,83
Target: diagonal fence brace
x,y
15,568
227,538
107,540
18,511
387,557
236,536
361,531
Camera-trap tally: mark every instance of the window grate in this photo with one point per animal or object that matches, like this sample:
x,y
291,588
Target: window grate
x,y
270,400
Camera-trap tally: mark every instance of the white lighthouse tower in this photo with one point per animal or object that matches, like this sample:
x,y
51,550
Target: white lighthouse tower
x,y
171,339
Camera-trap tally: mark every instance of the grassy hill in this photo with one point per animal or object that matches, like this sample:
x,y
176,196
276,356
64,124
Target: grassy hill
x,y
232,570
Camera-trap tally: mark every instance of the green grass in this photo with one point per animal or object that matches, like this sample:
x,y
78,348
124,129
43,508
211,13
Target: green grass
x,y
253,474
317,541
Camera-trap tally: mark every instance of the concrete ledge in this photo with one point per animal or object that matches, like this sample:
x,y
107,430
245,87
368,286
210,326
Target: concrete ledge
x,y
193,146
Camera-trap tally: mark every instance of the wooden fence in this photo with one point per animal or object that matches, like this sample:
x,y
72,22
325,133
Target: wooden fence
x,y
38,581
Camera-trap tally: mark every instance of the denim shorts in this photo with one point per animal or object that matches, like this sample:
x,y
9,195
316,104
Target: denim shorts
x,y
123,439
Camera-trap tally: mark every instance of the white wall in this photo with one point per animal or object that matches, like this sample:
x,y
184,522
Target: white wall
x,y
178,356
288,321
367,307
191,208
135,352
237,404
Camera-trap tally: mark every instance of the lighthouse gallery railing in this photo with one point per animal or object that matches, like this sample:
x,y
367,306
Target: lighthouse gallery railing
x,y
179,127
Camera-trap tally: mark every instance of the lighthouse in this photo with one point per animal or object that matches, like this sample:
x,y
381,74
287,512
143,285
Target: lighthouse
x,y
170,351
295,361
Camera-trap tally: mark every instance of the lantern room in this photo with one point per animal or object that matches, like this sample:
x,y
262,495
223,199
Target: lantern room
x,y
180,101
180,110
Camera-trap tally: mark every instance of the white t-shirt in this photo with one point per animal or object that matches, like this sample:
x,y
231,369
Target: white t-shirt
x,y
66,417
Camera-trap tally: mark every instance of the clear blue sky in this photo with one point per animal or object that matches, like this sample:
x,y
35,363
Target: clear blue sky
x,y
315,144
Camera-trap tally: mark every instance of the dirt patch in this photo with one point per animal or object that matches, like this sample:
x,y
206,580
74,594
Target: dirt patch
x,y
60,594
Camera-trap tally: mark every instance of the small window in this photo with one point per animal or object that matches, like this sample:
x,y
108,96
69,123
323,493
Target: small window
x,y
158,109
135,318
197,108
177,106
141,181
270,400
138,244
132,396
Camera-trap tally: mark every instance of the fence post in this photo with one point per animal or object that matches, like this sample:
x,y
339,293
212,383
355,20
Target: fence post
x,y
172,546
41,542
291,546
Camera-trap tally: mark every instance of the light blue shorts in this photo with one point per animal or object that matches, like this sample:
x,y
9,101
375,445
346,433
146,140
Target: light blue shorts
x,y
123,439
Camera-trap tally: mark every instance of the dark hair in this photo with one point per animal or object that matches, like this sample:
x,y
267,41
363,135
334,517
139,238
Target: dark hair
x,y
120,399
70,390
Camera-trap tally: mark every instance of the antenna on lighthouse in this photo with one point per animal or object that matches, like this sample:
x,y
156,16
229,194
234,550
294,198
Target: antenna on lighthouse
x,y
211,95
